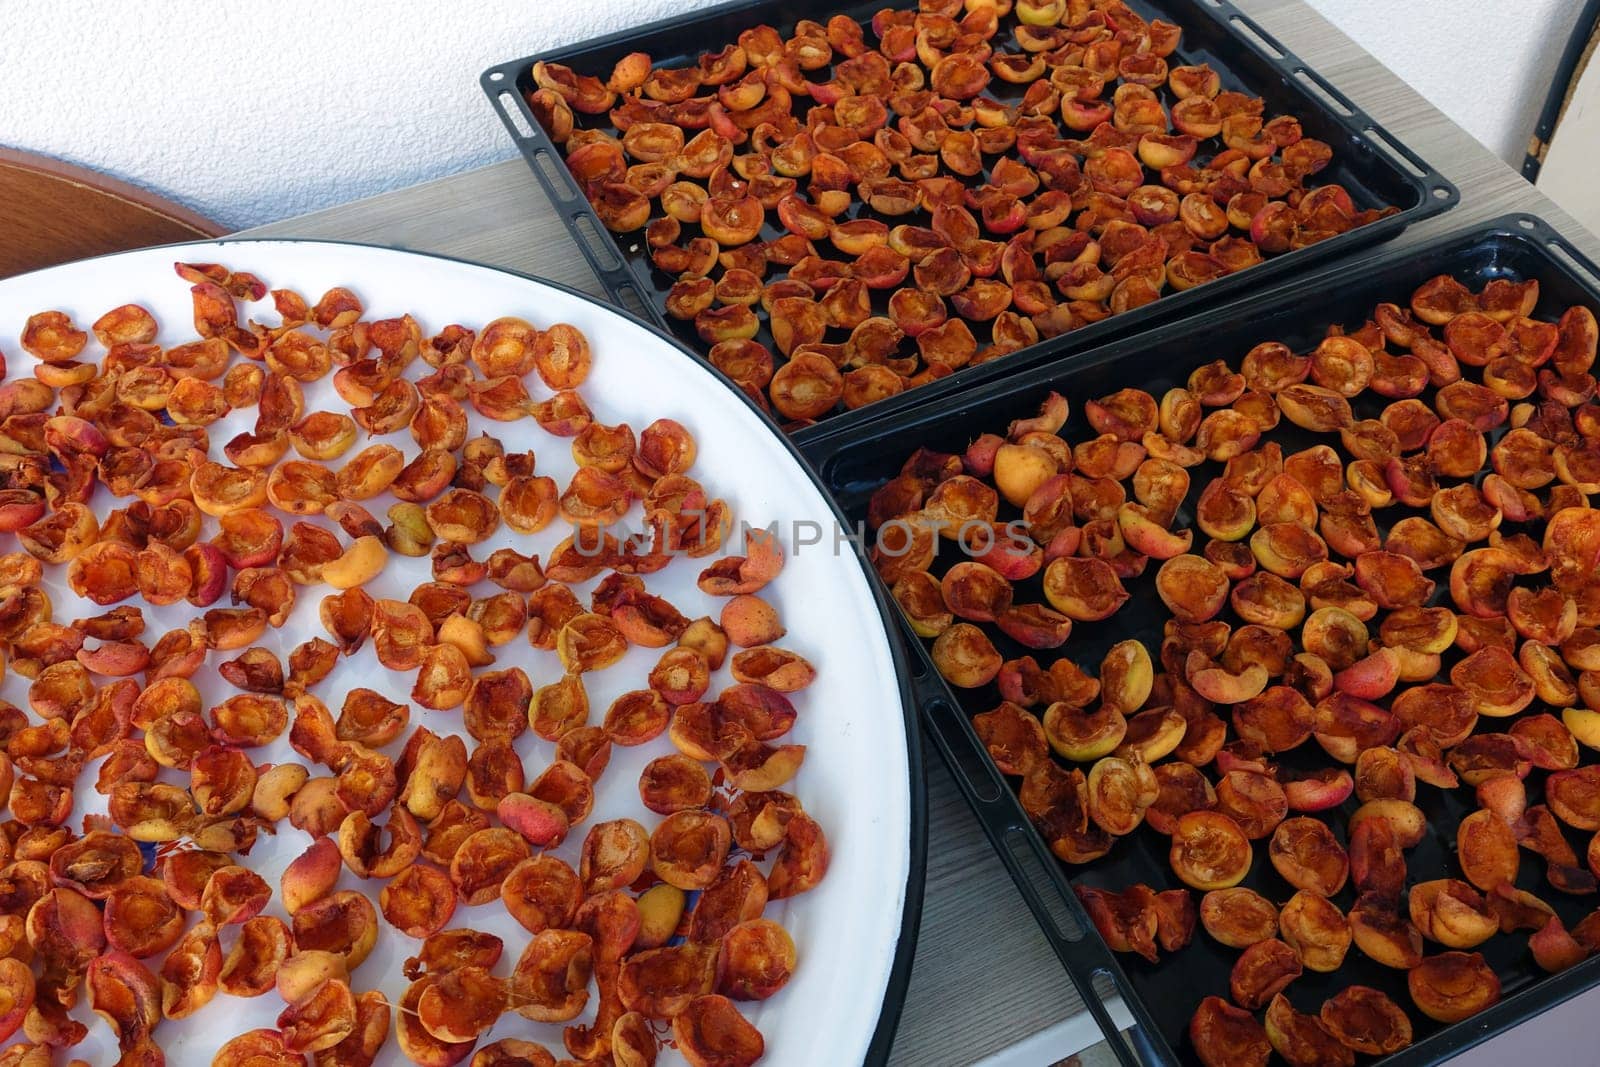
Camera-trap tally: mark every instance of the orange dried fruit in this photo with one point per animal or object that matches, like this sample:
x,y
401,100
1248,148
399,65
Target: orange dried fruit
x,y
1223,1035
1209,851
1366,1020
551,979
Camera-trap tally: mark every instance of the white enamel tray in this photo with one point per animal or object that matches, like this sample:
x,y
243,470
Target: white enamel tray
x,y
856,777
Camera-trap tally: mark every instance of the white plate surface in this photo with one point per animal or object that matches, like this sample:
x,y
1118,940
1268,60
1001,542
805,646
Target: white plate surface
x,y
855,777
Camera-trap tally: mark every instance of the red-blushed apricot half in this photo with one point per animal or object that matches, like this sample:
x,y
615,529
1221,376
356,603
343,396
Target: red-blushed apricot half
x,y
124,993
1377,859
1226,1036
1554,948
1278,719
1209,851
1319,790
1126,920
615,854
455,948
542,893
1176,916
305,970
140,918
95,863
1453,986
675,782
366,1038
234,895
484,859
1085,589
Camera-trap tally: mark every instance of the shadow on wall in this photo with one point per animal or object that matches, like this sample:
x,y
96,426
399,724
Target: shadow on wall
x,y
1562,155
315,104
1485,63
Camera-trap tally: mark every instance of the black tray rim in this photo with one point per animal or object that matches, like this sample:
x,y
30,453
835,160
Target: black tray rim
x,y
622,281
916,778
1086,957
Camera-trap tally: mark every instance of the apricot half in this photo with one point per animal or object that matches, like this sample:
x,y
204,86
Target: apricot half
x,y
1209,851
1453,986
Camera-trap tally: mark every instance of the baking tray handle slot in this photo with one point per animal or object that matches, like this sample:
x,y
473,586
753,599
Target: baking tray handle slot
x,y
1324,92
1063,923
1088,963
554,174
1036,874
1574,260
1394,151
1410,162
608,266
974,772
1262,40
513,115
605,256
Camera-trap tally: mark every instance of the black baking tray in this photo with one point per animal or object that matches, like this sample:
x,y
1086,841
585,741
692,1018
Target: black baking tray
x,y
1375,167
1162,997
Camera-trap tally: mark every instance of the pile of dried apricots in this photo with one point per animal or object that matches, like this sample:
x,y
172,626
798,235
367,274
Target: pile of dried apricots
x,y
1409,602
150,910
861,192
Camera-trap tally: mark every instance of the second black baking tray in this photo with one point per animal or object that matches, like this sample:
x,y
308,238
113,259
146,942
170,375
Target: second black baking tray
x,y
1373,166
1162,997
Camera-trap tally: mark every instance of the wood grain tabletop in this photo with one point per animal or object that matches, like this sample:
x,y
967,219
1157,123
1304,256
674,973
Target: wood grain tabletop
x,y
984,977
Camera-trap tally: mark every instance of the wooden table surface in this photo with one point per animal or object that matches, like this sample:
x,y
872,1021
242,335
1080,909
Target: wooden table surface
x,y
984,977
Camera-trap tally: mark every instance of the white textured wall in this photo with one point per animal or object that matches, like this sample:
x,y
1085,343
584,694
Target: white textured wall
x,y
1487,64
308,103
